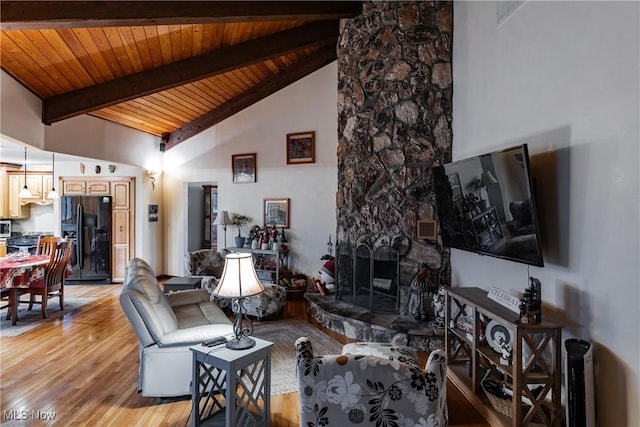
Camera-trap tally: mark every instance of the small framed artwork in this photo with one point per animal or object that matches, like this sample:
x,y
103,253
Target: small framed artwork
x,y
301,147
153,213
244,167
276,212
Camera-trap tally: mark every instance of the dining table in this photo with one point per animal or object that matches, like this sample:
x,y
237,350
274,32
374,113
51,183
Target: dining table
x,y
18,273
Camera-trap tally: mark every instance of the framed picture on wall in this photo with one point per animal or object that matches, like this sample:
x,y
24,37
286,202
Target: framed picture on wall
x,y
153,213
244,167
301,147
276,212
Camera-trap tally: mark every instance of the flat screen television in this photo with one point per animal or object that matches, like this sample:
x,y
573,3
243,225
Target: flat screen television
x,y
486,205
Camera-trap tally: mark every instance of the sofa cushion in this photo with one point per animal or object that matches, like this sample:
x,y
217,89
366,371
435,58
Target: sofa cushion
x,y
199,314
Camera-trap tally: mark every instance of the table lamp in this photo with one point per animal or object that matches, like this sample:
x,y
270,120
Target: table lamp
x,y
224,220
239,280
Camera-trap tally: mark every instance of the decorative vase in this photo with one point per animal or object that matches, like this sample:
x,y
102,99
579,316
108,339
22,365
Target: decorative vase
x,y
265,246
255,244
239,242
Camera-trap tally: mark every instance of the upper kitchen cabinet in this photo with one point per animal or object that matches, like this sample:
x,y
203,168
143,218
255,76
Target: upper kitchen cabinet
x,y
4,185
38,183
74,187
121,194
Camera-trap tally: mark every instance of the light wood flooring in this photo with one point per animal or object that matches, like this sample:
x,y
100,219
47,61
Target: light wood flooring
x,y
83,369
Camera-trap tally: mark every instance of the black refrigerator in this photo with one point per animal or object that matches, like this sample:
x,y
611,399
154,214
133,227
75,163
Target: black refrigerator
x,y
87,220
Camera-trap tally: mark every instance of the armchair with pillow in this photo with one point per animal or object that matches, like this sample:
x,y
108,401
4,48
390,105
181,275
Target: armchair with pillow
x,y
207,265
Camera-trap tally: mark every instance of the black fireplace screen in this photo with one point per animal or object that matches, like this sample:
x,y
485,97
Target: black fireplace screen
x,y
369,279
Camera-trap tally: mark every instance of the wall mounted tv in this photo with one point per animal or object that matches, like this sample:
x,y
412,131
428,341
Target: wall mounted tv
x,y
486,205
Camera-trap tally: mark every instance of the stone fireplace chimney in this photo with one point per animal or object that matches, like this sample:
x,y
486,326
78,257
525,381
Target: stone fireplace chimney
x,y
394,125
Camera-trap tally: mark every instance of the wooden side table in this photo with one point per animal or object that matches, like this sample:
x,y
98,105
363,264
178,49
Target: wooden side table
x,y
247,401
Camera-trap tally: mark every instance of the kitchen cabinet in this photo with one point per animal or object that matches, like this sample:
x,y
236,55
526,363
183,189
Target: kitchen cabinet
x,y
533,375
122,199
4,186
72,187
38,183
15,209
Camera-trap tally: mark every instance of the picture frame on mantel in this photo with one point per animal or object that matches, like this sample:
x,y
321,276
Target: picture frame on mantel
x,y
301,147
244,168
276,212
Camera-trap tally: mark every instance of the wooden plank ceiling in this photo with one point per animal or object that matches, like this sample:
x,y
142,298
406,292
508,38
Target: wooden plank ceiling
x,y
167,68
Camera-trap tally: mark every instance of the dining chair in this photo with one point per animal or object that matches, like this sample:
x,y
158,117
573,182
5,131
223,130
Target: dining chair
x,y
47,245
54,277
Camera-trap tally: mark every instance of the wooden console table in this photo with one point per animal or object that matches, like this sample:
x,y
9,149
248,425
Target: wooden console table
x,y
536,359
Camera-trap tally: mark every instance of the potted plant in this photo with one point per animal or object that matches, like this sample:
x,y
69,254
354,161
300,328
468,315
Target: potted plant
x,y
240,221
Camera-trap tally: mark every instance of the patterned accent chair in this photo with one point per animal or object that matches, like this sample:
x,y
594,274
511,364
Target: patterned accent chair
x,y
206,264
365,390
272,300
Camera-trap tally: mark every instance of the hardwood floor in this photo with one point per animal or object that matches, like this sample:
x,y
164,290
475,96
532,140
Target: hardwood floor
x,y
82,370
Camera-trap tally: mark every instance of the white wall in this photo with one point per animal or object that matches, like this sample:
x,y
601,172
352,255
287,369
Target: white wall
x,y
20,113
134,153
307,105
563,77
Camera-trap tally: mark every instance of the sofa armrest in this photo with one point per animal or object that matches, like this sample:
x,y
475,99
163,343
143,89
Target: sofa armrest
x,y
190,296
195,335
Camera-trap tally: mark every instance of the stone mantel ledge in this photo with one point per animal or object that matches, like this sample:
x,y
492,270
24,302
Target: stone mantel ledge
x,y
362,325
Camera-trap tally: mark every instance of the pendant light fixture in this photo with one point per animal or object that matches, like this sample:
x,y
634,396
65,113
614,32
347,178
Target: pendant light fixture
x,y
53,194
25,193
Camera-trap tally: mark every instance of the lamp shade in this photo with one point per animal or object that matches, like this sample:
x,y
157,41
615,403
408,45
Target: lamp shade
x,y
222,219
239,278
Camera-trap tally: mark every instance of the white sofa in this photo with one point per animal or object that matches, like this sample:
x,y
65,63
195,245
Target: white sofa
x,y
166,327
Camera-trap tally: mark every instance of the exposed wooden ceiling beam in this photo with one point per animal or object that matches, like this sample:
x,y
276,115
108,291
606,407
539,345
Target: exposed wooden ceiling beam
x,y
85,100
21,15
295,72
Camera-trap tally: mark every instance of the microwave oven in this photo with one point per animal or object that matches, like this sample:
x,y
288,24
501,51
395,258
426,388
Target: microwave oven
x,y
5,228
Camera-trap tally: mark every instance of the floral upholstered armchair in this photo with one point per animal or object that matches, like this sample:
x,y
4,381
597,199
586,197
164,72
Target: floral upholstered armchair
x,y
364,390
206,264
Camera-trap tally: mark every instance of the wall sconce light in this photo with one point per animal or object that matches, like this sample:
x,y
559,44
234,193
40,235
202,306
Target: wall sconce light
x,y
153,175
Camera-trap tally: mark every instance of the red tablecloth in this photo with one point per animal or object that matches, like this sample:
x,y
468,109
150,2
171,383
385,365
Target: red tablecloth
x,y
24,273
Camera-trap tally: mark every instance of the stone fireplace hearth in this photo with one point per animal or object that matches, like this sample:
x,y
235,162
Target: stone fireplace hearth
x,y
363,325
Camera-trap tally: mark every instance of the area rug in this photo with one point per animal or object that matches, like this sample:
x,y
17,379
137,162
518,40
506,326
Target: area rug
x,y
283,334
29,320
